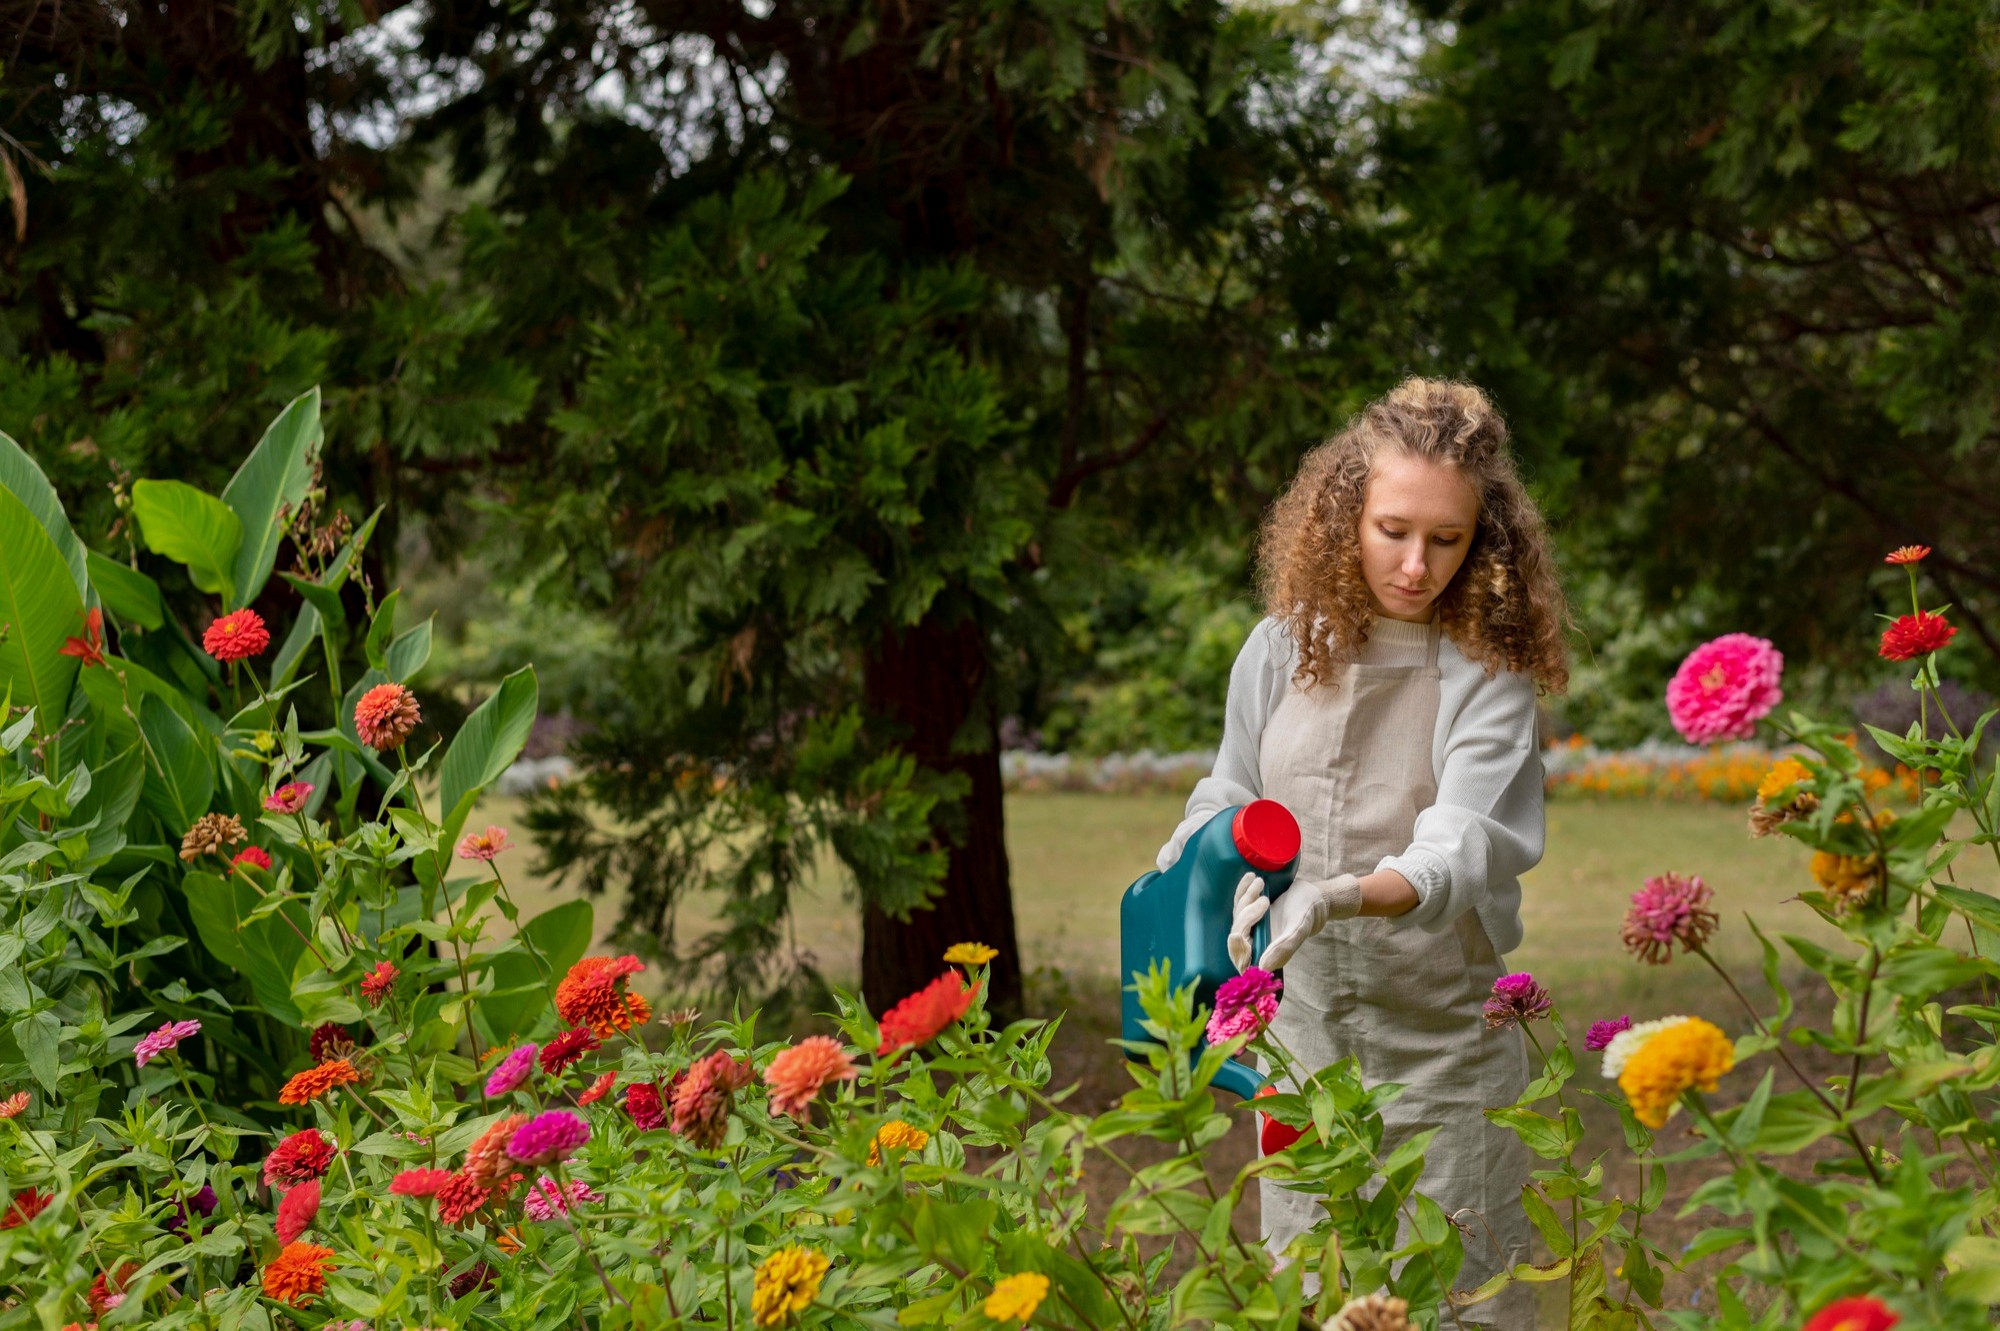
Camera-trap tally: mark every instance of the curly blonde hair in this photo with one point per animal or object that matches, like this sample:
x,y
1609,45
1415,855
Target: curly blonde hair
x,y
1503,609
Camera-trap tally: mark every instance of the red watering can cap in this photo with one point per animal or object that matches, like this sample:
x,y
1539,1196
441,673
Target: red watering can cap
x,y
1266,834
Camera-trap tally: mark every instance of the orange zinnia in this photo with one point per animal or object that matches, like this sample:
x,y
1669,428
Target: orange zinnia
x,y
298,1274
918,1018
593,995
317,1081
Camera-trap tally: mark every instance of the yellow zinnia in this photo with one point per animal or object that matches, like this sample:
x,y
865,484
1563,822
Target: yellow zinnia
x,y
1017,1296
1691,1054
896,1134
1787,772
1847,880
787,1283
969,954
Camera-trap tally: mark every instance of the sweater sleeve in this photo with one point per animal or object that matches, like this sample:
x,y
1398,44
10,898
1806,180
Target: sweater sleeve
x,y
1256,685
1487,826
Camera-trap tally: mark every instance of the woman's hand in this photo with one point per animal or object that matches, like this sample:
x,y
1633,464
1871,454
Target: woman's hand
x,y
1171,852
1296,916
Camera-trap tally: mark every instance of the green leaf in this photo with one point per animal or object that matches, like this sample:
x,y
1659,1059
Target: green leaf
x,y
380,630
39,607
408,653
40,1036
126,592
485,745
265,950
24,479
180,787
190,528
561,934
270,484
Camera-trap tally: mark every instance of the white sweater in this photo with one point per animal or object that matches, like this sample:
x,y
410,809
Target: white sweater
x,y
1486,828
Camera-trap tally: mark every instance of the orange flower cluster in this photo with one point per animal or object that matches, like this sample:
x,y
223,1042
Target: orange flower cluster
x,y
317,1081
593,994
298,1274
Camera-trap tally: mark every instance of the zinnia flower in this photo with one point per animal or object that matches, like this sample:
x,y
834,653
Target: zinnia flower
x,y
13,1105
317,1080
329,1040
566,1049
420,1182
1847,880
797,1074
918,1019
299,1158
477,1276
1784,774
1690,1054
254,856
107,1291
1017,1297
1853,1314
486,1160
202,1202
376,984
701,1101
385,716
642,1102
1669,909
89,649
160,1041
289,798
598,1089
969,954
1244,1005
297,1211
548,1137
1724,688
787,1283
1516,998
545,1201
484,845
210,833
1602,1033
1915,635
238,634
593,994
25,1206
1906,554
460,1198
298,1275
896,1135
513,1070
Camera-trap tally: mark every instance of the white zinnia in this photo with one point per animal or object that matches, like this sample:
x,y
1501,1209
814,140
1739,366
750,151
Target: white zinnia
x,y
1624,1044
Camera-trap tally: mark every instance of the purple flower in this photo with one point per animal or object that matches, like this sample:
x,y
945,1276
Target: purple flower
x,y
202,1202
548,1137
160,1041
1244,1005
1666,910
545,1201
1602,1033
1516,998
513,1070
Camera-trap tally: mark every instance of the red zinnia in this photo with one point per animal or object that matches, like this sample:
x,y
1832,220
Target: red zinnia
x,y
88,649
254,856
238,634
25,1207
459,1198
376,984
598,1089
108,1290
420,1182
385,716
918,1018
642,1102
1858,1314
1908,554
299,1158
566,1049
297,1211
1915,635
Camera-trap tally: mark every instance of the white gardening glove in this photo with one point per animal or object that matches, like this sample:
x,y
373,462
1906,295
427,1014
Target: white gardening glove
x,y
1171,852
1296,916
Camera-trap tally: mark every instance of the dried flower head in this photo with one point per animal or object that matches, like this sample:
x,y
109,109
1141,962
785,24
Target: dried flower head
x,y
235,636
1849,881
797,1074
210,833
1668,909
1372,1312
1244,1005
385,716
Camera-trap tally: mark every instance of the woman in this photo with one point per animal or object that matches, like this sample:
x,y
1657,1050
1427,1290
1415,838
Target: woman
x,y
1388,700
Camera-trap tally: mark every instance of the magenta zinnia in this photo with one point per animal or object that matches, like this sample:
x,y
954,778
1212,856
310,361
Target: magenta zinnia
x,y
289,798
547,1138
1244,1005
513,1070
545,1201
1725,687
1602,1033
1669,909
160,1041
797,1074
1516,998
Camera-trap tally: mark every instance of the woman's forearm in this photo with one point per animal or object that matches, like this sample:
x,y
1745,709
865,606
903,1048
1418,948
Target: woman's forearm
x,y
1386,892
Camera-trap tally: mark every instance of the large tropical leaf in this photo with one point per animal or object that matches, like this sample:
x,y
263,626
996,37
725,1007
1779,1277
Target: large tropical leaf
x,y
485,746
180,787
126,592
39,607
271,481
265,951
193,528
20,474
519,994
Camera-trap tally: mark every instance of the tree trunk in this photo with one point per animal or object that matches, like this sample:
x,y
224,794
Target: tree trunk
x,y
926,681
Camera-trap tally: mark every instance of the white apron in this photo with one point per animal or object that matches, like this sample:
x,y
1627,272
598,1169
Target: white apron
x,y
1353,763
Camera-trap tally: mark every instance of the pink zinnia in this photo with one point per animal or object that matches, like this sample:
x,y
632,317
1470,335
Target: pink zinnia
x,y
1516,998
420,1182
545,1201
1602,1033
1244,1005
701,1101
297,1211
385,716
289,798
547,1138
1668,909
797,1074
1725,687
238,634
160,1041
513,1070
484,845
254,856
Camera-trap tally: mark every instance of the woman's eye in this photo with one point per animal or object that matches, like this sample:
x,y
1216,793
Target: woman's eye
x,y
1394,535
1443,541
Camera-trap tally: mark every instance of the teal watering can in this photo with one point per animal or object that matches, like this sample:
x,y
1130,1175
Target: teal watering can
x,y
1182,916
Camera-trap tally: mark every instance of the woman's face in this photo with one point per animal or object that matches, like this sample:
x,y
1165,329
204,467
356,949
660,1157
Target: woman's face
x,y
1416,526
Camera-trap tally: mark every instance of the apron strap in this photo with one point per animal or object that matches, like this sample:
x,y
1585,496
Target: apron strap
x,y
1431,646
